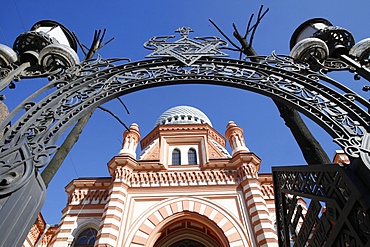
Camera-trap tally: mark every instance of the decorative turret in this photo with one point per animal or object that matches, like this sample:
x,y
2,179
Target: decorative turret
x,y
235,136
130,141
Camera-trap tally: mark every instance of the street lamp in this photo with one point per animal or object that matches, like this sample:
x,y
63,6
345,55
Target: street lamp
x,y
317,40
7,55
337,39
330,189
307,29
47,42
47,48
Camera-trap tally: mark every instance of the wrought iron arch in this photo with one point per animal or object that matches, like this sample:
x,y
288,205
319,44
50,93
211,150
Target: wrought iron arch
x,y
33,136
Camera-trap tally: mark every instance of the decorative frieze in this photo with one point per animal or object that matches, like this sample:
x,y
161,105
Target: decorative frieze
x,y
267,189
192,178
122,174
87,196
247,170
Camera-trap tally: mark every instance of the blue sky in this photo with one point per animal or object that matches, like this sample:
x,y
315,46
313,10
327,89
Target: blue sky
x,y
132,23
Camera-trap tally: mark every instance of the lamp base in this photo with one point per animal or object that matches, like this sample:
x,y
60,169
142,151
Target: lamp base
x,y
19,211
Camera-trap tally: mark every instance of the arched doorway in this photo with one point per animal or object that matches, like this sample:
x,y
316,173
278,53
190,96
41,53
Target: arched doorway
x,y
224,229
188,229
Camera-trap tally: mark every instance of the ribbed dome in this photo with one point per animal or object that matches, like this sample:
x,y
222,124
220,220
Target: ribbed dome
x,y
183,115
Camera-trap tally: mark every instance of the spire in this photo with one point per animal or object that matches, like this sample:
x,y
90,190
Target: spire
x,y
130,141
235,136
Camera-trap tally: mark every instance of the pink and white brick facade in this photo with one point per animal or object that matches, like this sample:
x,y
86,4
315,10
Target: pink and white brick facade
x,y
221,200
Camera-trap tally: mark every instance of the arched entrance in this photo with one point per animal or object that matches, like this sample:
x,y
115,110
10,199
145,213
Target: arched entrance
x,y
195,224
190,230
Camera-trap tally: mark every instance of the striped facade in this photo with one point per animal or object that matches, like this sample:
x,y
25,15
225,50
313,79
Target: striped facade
x,y
220,201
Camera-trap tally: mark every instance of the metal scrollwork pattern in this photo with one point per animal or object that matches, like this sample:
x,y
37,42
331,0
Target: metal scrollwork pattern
x,y
335,64
185,49
90,84
336,213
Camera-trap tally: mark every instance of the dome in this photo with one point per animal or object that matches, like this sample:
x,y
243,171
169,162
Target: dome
x,y
183,115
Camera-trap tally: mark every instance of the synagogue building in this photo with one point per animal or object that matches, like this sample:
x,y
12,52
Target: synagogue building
x,y
183,189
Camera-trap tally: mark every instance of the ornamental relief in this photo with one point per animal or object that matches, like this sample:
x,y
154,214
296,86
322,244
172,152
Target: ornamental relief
x,y
246,171
88,196
191,178
267,190
188,178
122,174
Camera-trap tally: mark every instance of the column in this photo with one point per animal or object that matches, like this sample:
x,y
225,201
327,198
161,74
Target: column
x,y
109,230
257,208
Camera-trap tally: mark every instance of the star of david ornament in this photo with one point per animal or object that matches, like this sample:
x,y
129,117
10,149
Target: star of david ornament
x,y
185,49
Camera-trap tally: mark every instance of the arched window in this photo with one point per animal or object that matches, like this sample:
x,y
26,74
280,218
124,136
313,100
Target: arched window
x,y
176,157
86,238
192,156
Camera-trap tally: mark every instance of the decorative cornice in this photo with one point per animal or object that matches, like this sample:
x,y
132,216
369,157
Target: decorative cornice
x,y
248,165
247,171
183,178
122,174
241,167
122,160
88,196
83,194
88,190
91,183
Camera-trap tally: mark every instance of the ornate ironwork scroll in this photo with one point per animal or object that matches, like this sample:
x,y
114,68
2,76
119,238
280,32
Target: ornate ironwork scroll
x,y
185,49
89,85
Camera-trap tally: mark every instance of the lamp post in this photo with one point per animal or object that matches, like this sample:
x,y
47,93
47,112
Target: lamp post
x,y
47,49
338,195
317,40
